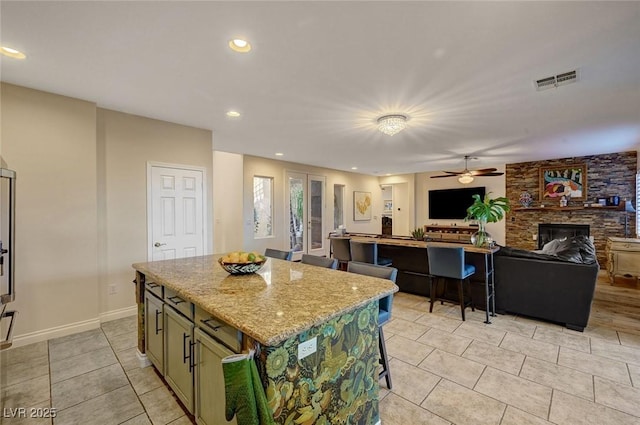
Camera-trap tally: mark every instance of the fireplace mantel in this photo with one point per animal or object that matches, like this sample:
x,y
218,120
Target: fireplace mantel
x,y
554,208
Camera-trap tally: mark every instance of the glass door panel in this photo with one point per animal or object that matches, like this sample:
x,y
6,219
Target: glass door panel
x,y
305,199
316,215
296,188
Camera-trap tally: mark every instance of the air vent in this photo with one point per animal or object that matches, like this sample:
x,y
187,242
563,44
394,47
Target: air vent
x,y
557,80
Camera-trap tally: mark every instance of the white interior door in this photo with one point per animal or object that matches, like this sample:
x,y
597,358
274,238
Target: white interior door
x,y
305,205
176,213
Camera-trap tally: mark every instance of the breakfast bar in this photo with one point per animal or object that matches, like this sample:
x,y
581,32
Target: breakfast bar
x,y
409,256
314,330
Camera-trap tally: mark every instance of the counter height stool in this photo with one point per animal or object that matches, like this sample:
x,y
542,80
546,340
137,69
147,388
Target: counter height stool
x,y
341,250
315,260
279,254
384,307
367,252
448,263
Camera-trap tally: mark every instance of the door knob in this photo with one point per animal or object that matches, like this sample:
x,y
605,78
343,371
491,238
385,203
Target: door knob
x,y
158,244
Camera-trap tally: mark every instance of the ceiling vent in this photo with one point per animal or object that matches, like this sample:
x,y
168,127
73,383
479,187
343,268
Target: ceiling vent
x,y
557,80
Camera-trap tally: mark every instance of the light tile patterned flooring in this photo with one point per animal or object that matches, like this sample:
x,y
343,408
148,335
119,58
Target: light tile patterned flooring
x,y
515,371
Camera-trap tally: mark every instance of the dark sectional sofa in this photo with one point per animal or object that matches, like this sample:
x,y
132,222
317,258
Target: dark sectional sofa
x,y
545,288
557,288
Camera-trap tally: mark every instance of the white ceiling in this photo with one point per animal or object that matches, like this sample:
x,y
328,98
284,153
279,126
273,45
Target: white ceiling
x,y
321,73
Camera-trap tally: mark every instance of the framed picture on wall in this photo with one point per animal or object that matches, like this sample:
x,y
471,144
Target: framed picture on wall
x,y
559,181
361,206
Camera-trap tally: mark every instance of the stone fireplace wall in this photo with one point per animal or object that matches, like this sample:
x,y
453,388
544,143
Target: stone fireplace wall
x,y
607,175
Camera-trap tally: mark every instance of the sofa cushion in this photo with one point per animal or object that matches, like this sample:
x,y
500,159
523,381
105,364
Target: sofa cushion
x,y
577,249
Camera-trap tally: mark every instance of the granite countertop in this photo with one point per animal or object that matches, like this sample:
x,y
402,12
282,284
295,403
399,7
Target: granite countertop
x,y
281,300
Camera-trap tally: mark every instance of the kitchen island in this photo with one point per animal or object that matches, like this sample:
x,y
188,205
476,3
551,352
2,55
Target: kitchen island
x,y
332,378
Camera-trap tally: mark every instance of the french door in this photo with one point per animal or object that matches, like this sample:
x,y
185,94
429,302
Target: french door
x,y
304,213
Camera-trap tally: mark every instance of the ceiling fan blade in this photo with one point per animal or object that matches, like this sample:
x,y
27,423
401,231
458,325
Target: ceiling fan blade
x,y
483,171
454,173
439,177
488,174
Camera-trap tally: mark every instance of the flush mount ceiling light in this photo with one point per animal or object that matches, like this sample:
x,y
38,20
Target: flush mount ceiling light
x,y
239,45
392,124
233,114
12,53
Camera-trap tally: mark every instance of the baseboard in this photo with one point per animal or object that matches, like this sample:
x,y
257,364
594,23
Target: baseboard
x,y
118,314
72,328
143,359
56,332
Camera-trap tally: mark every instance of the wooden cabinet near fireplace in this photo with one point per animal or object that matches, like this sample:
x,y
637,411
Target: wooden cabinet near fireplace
x,y
623,257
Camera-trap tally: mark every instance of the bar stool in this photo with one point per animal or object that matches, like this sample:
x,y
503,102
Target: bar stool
x,y
384,308
277,253
367,252
448,263
314,260
340,248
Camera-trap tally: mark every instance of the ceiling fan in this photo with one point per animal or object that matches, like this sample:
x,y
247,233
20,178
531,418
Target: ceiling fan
x,y
466,176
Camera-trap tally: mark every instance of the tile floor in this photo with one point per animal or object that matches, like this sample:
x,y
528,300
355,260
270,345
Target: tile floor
x,y
515,371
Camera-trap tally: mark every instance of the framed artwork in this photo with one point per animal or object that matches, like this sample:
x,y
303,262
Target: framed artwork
x,y
388,206
361,206
559,181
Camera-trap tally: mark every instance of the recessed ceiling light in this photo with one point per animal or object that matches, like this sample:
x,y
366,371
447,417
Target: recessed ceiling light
x,y
354,168
239,45
233,114
12,53
279,154
388,174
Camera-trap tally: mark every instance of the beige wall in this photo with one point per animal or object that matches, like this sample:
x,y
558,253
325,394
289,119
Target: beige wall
x,y
495,185
81,205
227,202
254,166
50,141
126,143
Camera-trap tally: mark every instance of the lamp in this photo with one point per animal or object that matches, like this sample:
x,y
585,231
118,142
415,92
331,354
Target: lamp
x,y
628,208
465,178
392,124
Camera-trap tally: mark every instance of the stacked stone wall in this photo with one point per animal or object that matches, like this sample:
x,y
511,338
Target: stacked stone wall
x,y
607,175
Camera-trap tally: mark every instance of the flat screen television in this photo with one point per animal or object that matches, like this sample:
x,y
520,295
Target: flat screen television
x,y
452,203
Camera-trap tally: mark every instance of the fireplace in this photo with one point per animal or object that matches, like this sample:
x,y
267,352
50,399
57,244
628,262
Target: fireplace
x,y
549,232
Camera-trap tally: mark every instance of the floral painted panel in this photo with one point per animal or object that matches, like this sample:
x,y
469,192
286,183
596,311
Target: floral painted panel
x,y
338,384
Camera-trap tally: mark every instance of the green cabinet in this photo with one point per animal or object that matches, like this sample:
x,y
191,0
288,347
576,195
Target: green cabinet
x,y
179,344
153,331
210,393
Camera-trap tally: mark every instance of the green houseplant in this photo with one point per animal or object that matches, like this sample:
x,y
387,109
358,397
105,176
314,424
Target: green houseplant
x,y
418,234
485,211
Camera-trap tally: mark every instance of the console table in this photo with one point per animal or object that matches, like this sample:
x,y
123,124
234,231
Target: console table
x,y
623,258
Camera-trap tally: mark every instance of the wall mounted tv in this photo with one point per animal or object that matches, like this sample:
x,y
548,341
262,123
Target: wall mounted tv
x,y
452,203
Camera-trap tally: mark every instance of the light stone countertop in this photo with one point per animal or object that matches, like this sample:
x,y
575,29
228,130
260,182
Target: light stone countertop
x,y
281,300
422,244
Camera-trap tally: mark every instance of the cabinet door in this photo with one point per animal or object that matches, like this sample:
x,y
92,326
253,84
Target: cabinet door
x,y
179,355
153,330
627,263
210,394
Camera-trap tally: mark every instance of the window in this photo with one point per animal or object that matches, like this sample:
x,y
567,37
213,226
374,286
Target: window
x,y
262,207
338,205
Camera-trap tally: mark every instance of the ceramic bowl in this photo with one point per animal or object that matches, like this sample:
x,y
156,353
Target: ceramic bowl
x,y
241,268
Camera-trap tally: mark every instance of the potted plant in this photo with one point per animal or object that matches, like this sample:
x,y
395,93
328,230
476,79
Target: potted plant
x,y
485,211
418,234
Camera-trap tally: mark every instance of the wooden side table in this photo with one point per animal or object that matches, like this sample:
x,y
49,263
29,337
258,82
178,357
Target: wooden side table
x,y
623,258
